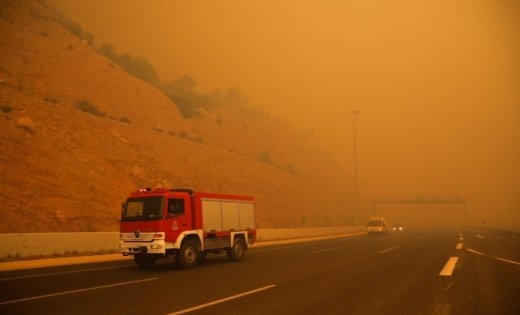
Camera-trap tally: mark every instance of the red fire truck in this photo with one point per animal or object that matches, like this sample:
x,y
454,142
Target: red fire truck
x,y
159,223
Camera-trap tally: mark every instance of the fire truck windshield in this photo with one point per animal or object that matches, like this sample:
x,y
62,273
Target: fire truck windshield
x,y
148,208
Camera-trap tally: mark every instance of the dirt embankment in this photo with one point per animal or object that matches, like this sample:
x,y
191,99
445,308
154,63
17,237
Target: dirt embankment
x,y
77,133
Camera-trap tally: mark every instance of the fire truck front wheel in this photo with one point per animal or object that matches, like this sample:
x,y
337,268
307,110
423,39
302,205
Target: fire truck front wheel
x,y
236,253
188,255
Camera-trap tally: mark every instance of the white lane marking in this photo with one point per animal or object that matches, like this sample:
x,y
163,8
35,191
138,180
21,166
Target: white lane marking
x,y
389,249
459,246
480,236
494,257
461,238
76,291
326,249
449,267
229,298
63,272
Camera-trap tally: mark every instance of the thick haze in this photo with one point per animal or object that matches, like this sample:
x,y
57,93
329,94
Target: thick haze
x,y
436,81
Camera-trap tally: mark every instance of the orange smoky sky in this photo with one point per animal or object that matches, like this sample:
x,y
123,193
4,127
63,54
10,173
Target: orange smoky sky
x,y
436,81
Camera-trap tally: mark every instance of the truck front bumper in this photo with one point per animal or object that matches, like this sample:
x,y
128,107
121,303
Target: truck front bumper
x,y
133,248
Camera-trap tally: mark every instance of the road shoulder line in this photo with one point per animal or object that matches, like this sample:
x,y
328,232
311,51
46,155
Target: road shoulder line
x,y
494,257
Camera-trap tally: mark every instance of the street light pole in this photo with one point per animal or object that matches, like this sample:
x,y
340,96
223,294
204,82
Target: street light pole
x,y
355,113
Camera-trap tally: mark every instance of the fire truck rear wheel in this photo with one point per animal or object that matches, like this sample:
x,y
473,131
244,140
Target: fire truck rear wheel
x,y
237,251
188,255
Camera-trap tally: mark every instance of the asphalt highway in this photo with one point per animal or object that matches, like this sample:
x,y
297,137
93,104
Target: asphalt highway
x,y
449,271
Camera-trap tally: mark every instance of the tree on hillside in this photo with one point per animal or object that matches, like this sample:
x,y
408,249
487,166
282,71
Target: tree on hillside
x,y
108,51
236,98
184,83
73,27
139,67
182,92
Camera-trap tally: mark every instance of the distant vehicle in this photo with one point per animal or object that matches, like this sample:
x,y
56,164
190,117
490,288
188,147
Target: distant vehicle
x,y
397,227
377,226
157,223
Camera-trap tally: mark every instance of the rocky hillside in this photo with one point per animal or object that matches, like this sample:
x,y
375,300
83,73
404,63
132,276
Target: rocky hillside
x,y
77,134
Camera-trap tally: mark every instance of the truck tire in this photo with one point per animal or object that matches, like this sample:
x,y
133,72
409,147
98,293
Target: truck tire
x,y
144,261
188,255
237,251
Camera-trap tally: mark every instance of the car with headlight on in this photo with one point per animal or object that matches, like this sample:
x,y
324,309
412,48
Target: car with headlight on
x,y
397,227
377,226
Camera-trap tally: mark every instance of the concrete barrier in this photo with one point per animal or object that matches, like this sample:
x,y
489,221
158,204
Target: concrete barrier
x,y
38,245
267,235
28,245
